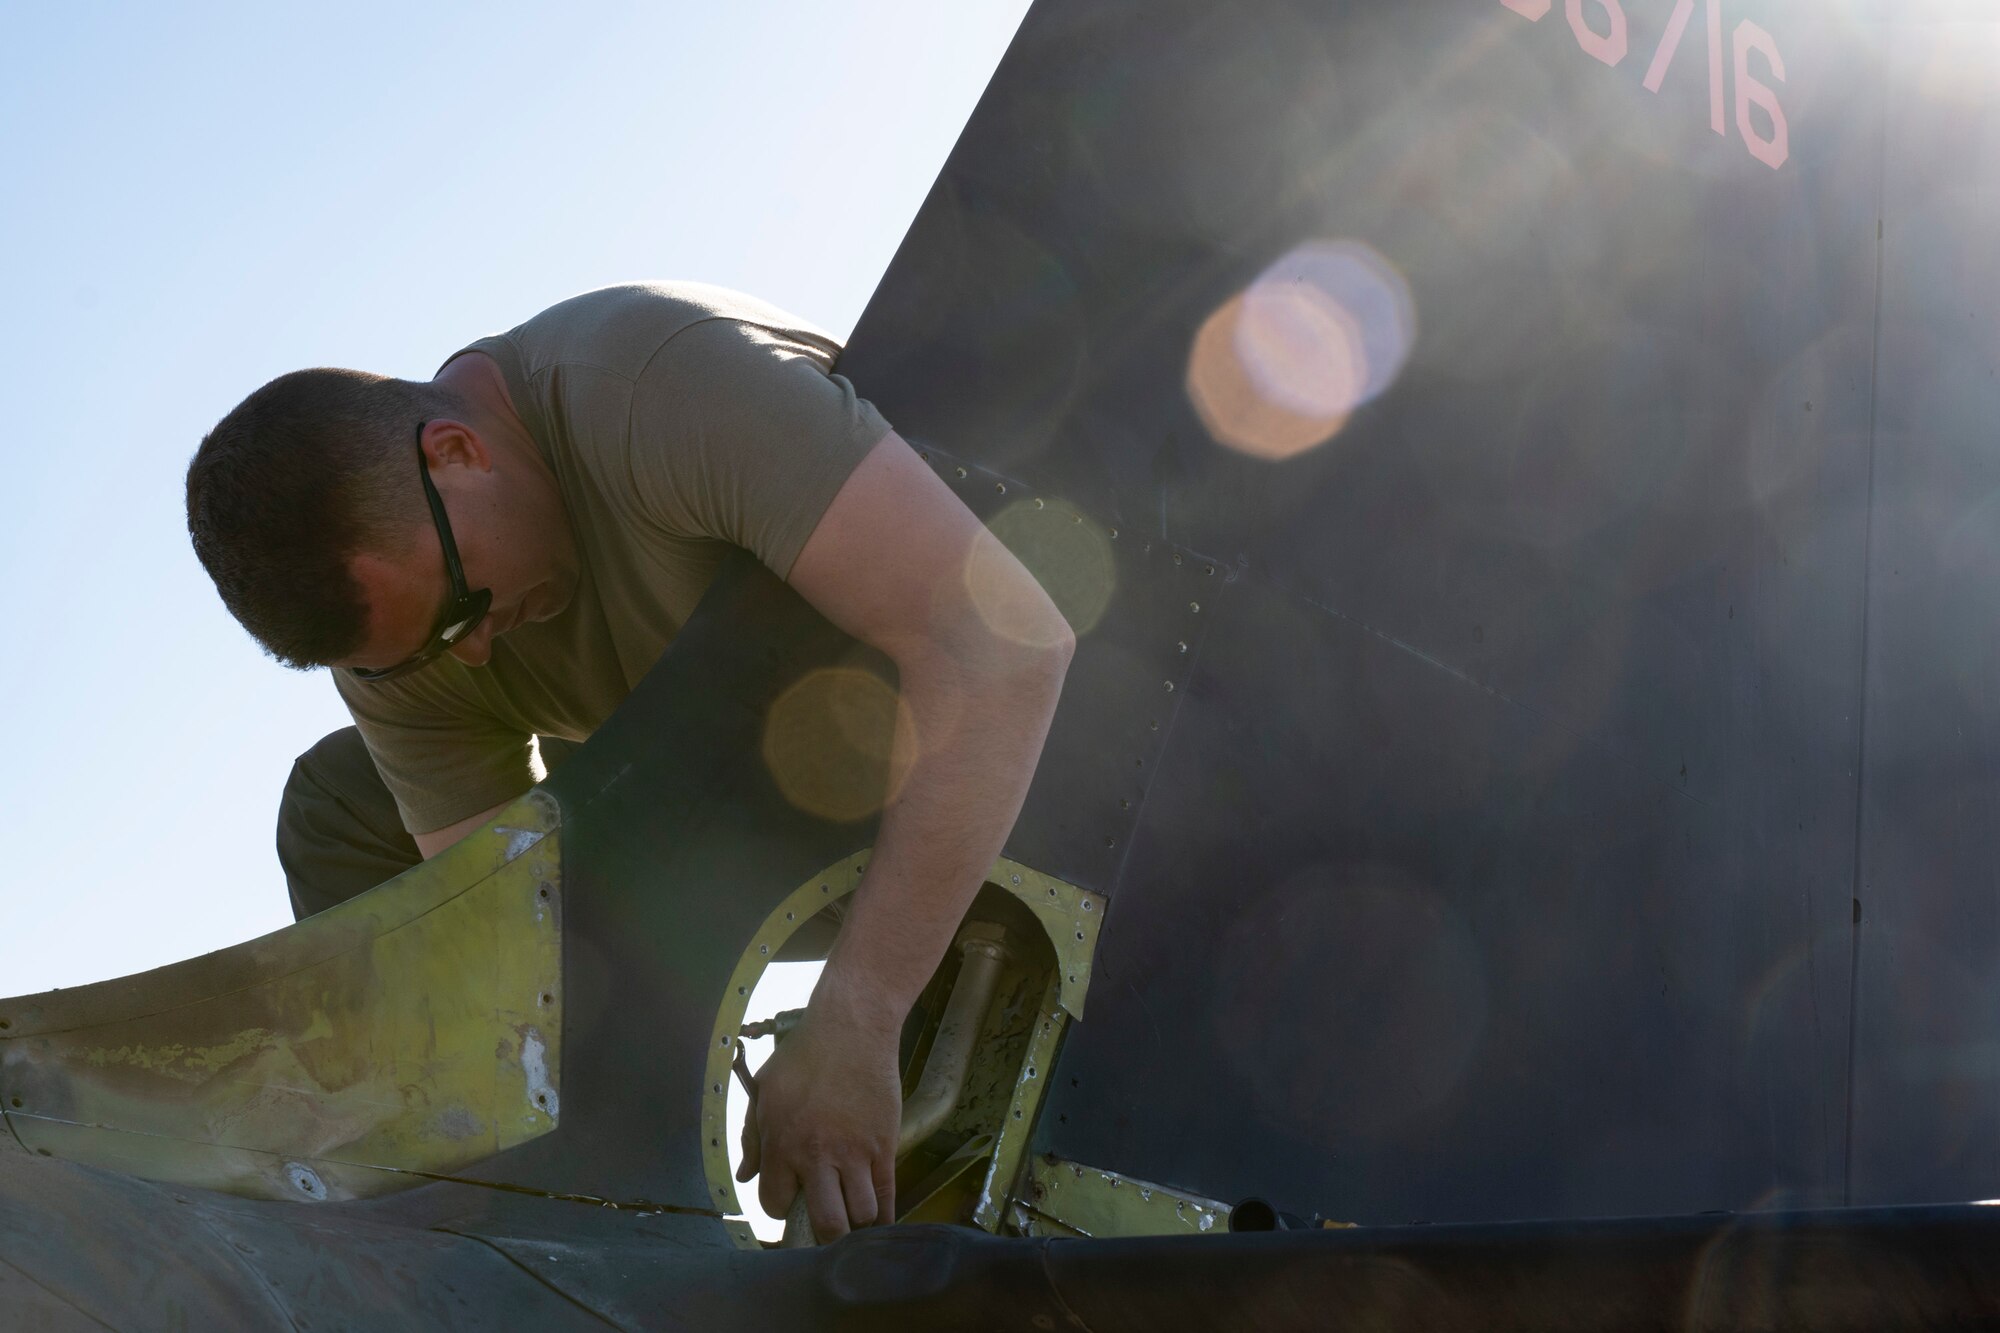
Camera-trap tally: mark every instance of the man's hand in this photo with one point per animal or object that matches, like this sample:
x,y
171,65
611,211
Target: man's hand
x,y
828,1106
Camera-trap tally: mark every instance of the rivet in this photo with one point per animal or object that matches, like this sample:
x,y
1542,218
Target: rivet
x,y
742,990
717,1087
1170,687
1208,569
1110,842
1153,725
1124,804
763,948
1072,978
822,888
1016,879
924,454
1079,935
1195,607
1181,646
1087,905
788,916
724,1043
715,1143
1038,503
1177,557
1138,763
961,472
1076,518
1000,486
1114,534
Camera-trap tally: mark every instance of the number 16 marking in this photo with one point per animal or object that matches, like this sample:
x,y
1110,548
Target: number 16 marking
x,y
1670,42
1772,148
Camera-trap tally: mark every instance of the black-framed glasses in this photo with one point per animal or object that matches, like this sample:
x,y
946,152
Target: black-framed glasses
x,y
465,608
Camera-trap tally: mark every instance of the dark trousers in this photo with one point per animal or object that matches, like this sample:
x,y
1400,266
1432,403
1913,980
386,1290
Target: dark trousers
x,y
340,834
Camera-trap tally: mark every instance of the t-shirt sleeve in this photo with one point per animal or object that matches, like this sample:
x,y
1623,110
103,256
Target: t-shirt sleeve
x,y
441,761
742,433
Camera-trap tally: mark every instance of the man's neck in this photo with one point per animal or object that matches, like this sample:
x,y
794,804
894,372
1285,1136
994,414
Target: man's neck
x,y
477,381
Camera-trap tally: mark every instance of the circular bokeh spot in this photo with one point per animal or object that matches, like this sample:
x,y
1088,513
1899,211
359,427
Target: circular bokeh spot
x,y
833,745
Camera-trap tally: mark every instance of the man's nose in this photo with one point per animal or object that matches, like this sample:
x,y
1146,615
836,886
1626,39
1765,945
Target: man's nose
x,y
475,648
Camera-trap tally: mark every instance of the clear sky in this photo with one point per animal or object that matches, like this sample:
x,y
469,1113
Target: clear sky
x,y
195,198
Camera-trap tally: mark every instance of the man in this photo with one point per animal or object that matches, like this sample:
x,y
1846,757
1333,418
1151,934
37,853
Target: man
x,y
504,551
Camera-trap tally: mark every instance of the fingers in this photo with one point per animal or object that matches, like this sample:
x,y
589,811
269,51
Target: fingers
x,y
837,1201
884,1172
824,1202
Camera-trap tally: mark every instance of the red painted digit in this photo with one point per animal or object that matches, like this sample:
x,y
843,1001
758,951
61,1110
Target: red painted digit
x,y
1772,149
1715,121
1670,42
1610,48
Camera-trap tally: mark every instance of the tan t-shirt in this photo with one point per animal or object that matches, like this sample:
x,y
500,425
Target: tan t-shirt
x,y
680,420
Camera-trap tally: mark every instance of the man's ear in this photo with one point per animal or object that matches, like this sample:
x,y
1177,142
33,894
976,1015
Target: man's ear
x,y
446,442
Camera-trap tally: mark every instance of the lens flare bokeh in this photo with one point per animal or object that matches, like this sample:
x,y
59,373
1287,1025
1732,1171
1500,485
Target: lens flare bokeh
x,y
1279,367
1069,555
839,743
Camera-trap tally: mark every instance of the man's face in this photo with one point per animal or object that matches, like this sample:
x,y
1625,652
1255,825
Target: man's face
x,y
511,540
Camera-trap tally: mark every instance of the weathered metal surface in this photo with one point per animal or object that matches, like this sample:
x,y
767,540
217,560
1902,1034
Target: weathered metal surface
x,y
415,1030
1070,1199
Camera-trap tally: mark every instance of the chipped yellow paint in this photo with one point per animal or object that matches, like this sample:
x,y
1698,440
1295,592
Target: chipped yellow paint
x,y
191,1063
415,1029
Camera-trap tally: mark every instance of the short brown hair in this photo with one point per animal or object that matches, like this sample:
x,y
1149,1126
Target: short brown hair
x,y
309,470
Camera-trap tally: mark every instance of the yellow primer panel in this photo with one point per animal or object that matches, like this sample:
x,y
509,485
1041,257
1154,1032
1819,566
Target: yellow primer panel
x,y
415,1029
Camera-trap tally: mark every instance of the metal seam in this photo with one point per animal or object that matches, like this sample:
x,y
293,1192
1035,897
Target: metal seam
x,y
54,1295
476,1239
1861,703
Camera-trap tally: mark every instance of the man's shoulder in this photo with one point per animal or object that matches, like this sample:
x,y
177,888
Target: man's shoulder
x,y
620,329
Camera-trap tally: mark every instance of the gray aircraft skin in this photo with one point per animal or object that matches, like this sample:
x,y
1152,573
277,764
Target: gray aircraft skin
x,y
1526,477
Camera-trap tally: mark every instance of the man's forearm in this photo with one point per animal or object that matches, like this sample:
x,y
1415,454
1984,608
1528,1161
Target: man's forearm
x,y
977,732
